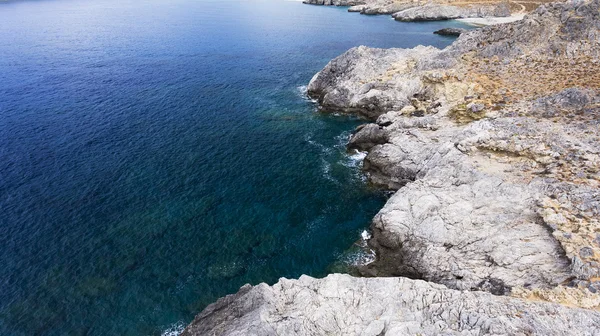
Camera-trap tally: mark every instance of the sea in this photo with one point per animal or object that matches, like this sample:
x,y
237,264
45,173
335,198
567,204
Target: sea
x,y
156,155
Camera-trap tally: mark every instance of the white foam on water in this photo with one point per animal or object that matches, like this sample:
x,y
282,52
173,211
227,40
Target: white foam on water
x,y
360,258
303,89
324,149
315,224
357,158
342,140
366,254
355,161
325,154
326,168
365,235
366,258
361,254
174,330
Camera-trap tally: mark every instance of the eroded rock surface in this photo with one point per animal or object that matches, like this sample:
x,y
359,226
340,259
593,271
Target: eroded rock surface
x,y
463,221
343,305
370,81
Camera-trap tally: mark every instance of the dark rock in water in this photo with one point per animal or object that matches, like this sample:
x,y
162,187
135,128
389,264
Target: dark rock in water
x,y
450,31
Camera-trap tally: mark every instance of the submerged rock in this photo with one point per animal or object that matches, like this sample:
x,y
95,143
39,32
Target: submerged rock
x,y
343,305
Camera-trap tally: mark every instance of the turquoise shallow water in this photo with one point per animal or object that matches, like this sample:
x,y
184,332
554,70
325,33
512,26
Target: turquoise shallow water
x,y
156,155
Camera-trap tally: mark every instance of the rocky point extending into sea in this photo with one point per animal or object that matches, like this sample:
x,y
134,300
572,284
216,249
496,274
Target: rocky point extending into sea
x,y
492,147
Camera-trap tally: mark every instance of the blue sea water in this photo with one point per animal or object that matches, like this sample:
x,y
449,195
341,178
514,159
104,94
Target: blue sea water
x,y
156,155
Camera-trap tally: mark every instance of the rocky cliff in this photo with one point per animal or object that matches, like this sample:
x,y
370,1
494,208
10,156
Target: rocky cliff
x,y
492,148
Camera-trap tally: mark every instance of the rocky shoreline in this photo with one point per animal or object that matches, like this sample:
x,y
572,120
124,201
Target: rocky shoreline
x,y
414,11
343,305
492,148
473,12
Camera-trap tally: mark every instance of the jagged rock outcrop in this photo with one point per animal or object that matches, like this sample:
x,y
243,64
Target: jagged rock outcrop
x,y
435,12
343,305
370,81
367,136
465,226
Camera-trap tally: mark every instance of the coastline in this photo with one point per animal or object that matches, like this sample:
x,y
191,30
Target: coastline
x,y
424,99
494,186
246,182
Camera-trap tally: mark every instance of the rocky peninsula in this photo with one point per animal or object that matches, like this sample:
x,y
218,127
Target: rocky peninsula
x,y
492,149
